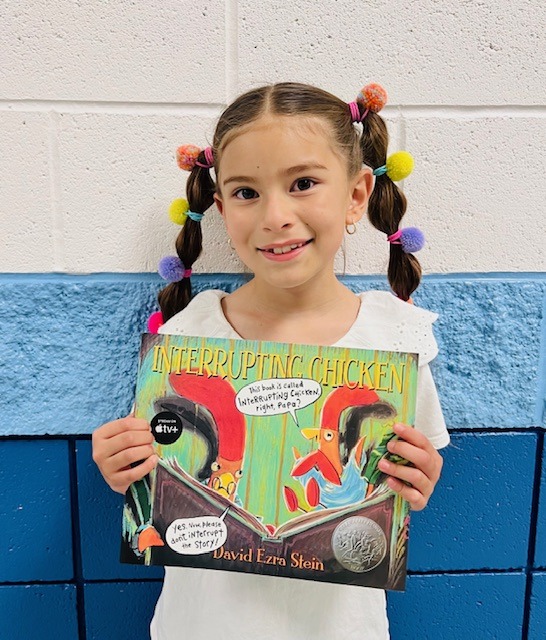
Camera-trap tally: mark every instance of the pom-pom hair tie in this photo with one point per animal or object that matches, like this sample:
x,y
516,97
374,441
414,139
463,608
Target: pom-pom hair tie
x,y
372,97
412,239
187,154
398,166
178,211
172,269
155,321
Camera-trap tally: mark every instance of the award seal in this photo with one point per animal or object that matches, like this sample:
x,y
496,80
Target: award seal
x,y
359,544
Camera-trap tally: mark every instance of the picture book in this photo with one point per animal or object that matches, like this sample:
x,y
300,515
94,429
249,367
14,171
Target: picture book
x,y
268,460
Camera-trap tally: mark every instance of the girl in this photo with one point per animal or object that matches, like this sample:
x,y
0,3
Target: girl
x,y
292,175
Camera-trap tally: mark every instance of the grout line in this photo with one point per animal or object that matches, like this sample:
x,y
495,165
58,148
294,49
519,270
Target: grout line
x,y
135,276
73,437
540,409
465,572
468,112
57,220
535,504
402,141
211,109
232,71
434,572
76,540
232,50
62,583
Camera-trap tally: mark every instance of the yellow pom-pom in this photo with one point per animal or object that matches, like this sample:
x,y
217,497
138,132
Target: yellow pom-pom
x,y
178,210
399,165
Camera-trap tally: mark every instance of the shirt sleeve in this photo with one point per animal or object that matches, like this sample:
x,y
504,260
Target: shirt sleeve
x,y
429,418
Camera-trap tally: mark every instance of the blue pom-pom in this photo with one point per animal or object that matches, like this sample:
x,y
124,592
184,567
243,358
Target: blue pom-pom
x,y
171,268
412,239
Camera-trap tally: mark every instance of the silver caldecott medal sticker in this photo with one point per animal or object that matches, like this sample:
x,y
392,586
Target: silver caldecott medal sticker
x,y
359,544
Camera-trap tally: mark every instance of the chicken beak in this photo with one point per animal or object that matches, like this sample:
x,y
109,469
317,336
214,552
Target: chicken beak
x,y
310,433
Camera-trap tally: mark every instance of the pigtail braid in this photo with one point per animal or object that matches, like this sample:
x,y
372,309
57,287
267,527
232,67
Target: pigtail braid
x,y
387,206
200,189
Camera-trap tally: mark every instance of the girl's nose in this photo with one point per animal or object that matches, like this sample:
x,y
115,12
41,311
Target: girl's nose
x,y
277,214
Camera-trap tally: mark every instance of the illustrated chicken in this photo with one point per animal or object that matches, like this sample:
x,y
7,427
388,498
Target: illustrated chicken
x,y
225,428
334,437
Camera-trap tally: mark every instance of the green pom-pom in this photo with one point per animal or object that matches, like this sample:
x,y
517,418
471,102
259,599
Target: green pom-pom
x,y
399,165
178,211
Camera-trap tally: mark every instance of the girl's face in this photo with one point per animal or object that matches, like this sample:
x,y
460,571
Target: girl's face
x,y
286,197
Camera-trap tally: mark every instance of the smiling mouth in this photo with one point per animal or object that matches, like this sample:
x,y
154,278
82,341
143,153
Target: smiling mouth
x,y
286,248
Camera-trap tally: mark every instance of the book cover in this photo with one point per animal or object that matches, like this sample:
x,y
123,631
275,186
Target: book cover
x,y
268,458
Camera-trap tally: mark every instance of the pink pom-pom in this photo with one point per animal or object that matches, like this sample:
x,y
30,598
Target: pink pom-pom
x,y
155,321
171,268
186,156
373,97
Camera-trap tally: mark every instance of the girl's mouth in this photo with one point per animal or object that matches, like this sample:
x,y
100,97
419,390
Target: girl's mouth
x,y
287,248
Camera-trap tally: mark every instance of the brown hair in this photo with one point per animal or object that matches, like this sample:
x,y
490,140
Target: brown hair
x,y
386,206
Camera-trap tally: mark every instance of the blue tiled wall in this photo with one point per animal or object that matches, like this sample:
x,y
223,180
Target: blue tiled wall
x,y
477,553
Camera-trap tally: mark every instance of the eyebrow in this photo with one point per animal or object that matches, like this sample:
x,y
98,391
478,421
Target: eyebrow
x,y
287,172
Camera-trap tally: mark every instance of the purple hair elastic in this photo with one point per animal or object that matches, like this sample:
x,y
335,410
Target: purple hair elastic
x,y
209,157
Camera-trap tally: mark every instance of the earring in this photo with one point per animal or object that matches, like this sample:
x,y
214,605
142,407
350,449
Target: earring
x,y
230,244
350,228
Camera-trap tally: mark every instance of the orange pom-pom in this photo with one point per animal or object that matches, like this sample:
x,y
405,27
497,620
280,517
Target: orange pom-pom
x,y
373,97
186,156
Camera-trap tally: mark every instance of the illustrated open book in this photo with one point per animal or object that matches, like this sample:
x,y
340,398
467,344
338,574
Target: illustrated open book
x,y
268,460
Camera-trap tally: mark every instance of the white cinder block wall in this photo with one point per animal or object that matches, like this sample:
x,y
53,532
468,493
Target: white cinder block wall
x,y
95,96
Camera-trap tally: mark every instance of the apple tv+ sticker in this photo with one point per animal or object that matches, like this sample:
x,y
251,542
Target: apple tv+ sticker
x,y
166,427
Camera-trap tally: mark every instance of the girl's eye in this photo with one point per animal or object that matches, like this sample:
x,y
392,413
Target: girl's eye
x,y
245,194
303,184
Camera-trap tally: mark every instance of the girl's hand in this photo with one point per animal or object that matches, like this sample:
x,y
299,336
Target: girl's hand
x,y
119,444
414,483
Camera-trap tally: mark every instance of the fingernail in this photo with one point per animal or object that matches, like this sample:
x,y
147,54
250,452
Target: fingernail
x,y
383,465
398,428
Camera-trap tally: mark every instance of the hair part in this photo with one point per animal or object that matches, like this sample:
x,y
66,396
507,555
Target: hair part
x,y
387,203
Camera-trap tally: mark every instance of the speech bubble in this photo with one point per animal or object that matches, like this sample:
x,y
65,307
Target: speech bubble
x,y
194,536
275,396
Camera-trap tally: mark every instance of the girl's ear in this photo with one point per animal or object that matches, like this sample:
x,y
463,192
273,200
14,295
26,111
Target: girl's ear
x,y
219,203
362,187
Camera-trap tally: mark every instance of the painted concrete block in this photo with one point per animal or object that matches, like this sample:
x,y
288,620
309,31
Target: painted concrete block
x,y
479,515
26,212
451,607
81,341
489,334
540,548
474,52
47,612
59,50
100,525
469,194
82,336
36,542
537,622
119,176
120,609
